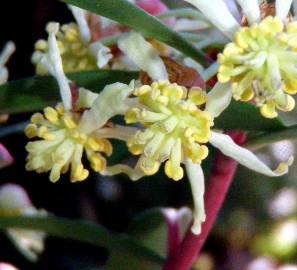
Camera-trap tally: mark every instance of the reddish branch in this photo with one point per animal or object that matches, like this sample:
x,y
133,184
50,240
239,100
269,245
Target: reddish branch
x,y
219,183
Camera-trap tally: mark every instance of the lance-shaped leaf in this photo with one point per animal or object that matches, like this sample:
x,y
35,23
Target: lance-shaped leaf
x,y
35,93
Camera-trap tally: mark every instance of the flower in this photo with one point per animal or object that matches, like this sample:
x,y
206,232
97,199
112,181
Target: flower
x,y
174,127
259,63
78,52
63,145
14,201
66,134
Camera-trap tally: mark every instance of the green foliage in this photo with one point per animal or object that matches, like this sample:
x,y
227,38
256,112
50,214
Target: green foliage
x,y
35,93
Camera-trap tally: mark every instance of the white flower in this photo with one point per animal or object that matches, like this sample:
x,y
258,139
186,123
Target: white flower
x,y
259,63
79,52
14,201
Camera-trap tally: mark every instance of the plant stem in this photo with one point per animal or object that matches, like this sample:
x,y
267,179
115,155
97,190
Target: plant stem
x,y
219,183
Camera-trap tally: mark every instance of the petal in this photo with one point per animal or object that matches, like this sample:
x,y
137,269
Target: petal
x,y
133,173
5,158
110,102
55,66
250,8
196,178
80,17
13,197
246,157
102,53
218,14
6,53
86,98
144,55
218,99
190,25
282,8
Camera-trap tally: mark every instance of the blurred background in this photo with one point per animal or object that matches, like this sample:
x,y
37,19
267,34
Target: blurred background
x,y
256,230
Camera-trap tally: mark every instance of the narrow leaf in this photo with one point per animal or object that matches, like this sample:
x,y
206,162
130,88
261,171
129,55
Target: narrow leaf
x,y
81,231
35,93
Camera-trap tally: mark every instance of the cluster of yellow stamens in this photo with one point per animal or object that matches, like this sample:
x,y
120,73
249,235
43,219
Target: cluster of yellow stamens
x,y
174,127
75,53
261,65
63,144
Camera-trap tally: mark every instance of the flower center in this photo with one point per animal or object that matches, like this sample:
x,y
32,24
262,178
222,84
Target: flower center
x,y
62,145
75,53
174,127
260,64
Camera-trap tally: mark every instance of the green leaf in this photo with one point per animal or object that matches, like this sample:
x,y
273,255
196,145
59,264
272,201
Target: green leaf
x,y
35,93
262,140
244,116
130,15
84,232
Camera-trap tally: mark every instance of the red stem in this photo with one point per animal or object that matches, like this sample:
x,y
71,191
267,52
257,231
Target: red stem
x,y
174,236
219,183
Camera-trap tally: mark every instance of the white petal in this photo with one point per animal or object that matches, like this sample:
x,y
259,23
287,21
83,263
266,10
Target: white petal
x,y
218,14
56,67
110,102
144,55
133,173
190,25
232,6
13,197
118,132
102,53
3,75
6,53
218,99
196,178
86,98
251,9
282,8
246,157
80,17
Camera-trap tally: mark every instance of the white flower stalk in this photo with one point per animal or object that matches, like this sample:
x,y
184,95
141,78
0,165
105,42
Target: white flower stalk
x,y
175,130
14,201
78,51
259,63
6,53
67,133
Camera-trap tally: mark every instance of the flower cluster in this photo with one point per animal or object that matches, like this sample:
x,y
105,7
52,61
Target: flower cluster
x,y
167,123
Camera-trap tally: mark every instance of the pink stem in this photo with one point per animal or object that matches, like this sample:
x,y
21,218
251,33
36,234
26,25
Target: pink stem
x,y
219,183
174,236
